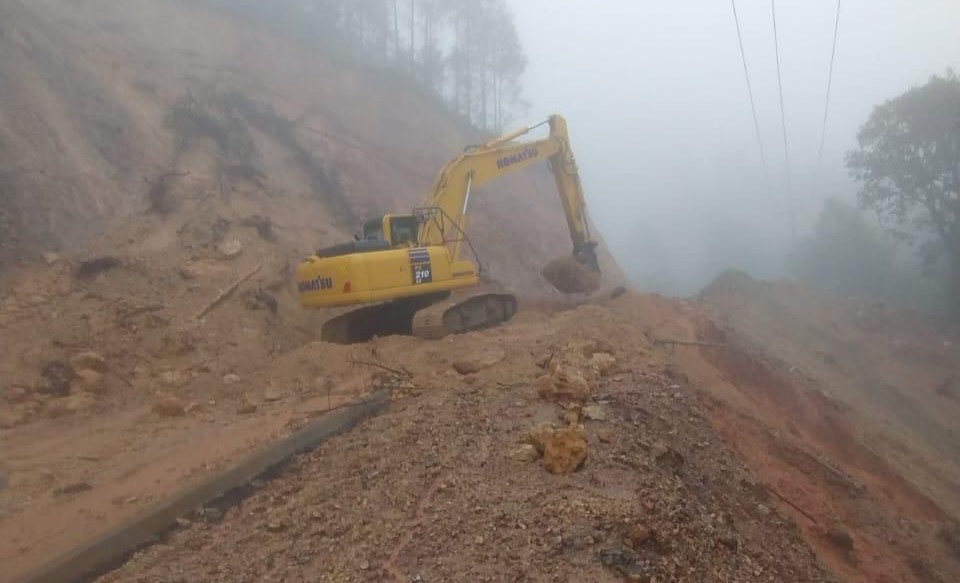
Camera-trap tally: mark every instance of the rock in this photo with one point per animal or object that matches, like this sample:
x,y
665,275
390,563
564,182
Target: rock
x,y
231,379
231,248
538,436
840,538
571,415
70,405
90,381
637,536
622,560
275,526
729,541
666,455
55,379
562,383
479,360
763,510
272,394
247,406
603,363
364,565
49,257
594,413
183,522
89,360
605,435
527,452
171,378
565,451
210,514
169,406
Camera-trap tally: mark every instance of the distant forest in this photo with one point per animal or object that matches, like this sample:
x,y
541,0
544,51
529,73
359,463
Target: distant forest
x,y
466,52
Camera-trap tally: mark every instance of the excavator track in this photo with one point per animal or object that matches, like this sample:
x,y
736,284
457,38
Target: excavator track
x,y
387,319
463,315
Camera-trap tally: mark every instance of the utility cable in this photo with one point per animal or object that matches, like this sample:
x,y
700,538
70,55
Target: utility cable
x,y
753,106
826,107
783,124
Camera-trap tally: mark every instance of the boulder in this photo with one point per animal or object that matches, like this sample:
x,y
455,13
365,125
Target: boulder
x,y
479,360
594,413
563,383
230,249
603,363
565,451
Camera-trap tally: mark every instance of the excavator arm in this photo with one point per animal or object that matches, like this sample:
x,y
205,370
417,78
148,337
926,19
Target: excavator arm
x,y
444,216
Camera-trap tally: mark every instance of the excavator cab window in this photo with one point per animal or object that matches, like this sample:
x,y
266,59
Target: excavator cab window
x,y
403,230
373,229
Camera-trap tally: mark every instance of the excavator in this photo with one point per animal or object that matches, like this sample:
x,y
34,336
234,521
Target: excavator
x,y
409,270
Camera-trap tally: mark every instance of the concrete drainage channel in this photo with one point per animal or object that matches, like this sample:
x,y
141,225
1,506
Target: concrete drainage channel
x,y
113,548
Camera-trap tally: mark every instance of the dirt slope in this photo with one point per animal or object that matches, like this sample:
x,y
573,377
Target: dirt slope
x,y
89,119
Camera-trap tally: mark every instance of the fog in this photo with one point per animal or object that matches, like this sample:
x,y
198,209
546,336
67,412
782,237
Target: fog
x,y
660,116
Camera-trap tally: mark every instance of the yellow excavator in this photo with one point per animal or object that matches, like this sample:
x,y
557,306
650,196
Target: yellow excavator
x,y
410,270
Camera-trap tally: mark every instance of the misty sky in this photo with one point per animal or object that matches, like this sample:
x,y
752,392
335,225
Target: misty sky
x,y
659,113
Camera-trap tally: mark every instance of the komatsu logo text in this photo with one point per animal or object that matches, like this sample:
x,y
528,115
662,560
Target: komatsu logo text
x,y
516,158
319,284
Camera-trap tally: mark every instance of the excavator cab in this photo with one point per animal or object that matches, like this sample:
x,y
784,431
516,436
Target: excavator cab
x,y
396,230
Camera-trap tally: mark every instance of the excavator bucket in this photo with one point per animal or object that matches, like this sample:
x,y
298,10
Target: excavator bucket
x,y
571,276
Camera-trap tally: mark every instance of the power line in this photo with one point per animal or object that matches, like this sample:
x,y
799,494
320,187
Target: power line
x,y
783,123
826,107
753,106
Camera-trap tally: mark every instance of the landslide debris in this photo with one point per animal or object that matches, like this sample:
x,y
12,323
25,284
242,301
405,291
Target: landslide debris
x,y
432,491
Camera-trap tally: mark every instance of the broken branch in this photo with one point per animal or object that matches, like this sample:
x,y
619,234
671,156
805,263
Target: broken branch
x,y
227,292
399,373
792,505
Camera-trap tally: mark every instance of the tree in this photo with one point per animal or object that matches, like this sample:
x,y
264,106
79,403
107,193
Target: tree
x,y
908,161
845,254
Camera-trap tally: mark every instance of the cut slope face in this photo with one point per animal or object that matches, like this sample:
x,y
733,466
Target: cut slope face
x,y
839,406
103,102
